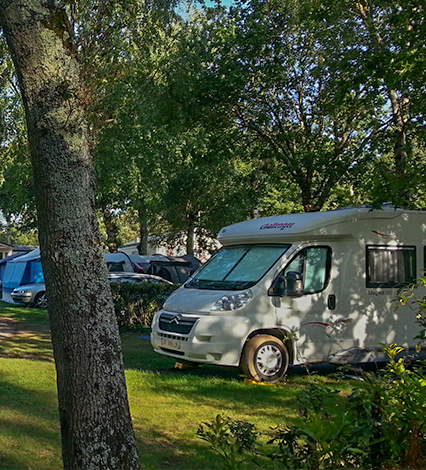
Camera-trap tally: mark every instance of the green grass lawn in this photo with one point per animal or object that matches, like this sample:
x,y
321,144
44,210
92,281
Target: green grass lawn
x,y
167,404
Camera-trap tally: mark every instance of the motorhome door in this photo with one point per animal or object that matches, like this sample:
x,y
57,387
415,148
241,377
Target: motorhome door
x,y
307,304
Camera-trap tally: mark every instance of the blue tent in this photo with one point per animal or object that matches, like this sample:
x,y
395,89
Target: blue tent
x,y
25,269
4,261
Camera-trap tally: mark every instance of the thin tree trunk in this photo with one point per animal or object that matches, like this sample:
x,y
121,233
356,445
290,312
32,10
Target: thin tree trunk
x,y
254,212
400,105
190,239
143,231
307,201
111,231
400,119
95,421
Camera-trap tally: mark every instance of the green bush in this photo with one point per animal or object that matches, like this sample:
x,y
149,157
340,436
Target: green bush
x,y
230,439
413,296
136,303
381,425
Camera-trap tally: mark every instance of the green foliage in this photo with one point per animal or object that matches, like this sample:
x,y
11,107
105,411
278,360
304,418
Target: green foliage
x,y
18,234
382,47
229,438
136,303
208,116
154,153
16,185
404,409
274,76
327,438
413,297
380,424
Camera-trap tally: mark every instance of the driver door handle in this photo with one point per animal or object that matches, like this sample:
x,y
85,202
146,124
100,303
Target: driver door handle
x,y
331,302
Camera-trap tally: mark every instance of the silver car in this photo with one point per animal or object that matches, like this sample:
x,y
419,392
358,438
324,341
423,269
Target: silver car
x,y
123,277
32,295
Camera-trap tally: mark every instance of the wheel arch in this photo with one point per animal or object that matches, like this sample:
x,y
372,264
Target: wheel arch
x,y
287,337
37,298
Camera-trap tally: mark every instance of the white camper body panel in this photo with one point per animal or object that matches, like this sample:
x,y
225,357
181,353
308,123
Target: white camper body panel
x,y
342,223
352,261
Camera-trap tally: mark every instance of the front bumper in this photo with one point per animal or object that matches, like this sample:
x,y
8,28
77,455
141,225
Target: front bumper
x,y
22,298
212,339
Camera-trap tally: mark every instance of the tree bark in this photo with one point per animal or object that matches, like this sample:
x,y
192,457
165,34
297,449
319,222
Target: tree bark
x,y
400,107
95,421
400,115
143,229
190,238
111,230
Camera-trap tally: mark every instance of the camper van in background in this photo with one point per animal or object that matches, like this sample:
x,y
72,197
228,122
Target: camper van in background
x,y
297,289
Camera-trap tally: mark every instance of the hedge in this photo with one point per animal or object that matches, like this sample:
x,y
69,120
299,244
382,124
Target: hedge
x,y
136,303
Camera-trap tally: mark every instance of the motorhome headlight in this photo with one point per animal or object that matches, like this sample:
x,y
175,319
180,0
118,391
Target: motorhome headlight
x,y
233,301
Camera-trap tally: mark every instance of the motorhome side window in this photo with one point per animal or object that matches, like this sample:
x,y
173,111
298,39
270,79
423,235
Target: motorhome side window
x,y
307,273
390,266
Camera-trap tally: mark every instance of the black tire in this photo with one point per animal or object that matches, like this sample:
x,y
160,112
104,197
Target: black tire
x,y
264,359
40,300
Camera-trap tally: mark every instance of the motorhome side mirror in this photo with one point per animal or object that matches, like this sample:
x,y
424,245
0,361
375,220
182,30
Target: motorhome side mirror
x,y
277,288
289,284
294,283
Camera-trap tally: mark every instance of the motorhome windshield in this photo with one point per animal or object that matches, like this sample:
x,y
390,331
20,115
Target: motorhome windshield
x,y
237,267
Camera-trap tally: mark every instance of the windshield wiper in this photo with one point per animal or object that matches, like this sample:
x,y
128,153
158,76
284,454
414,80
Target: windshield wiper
x,y
219,285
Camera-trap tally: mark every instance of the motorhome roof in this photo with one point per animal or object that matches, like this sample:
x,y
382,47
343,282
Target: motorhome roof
x,y
336,223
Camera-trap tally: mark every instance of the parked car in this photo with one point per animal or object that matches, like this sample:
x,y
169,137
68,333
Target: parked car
x,y
175,269
137,277
34,295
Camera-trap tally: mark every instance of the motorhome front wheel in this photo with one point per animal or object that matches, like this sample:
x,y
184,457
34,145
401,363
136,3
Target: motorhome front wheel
x,y
264,359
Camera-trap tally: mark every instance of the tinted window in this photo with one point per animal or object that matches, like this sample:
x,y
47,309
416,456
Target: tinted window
x,y
116,267
389,266
313,265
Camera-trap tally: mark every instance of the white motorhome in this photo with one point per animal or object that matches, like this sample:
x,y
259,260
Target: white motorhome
x,y
317,287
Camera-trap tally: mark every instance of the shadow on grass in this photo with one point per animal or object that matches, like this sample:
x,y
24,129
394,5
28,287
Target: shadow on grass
x,y
27,345
24,333
29,423
225,389
28,412
159,451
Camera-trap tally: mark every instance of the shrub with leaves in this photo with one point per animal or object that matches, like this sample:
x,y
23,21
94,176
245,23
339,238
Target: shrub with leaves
x,y
136,303
380,425
404,409
327,437
413,296
229,438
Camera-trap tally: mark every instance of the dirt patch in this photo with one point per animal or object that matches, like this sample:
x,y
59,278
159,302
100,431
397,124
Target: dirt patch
x,y
9,327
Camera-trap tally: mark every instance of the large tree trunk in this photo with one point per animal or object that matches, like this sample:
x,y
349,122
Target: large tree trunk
x,y
95,421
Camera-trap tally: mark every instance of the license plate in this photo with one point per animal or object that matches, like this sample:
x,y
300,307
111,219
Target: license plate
x,y
170,343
